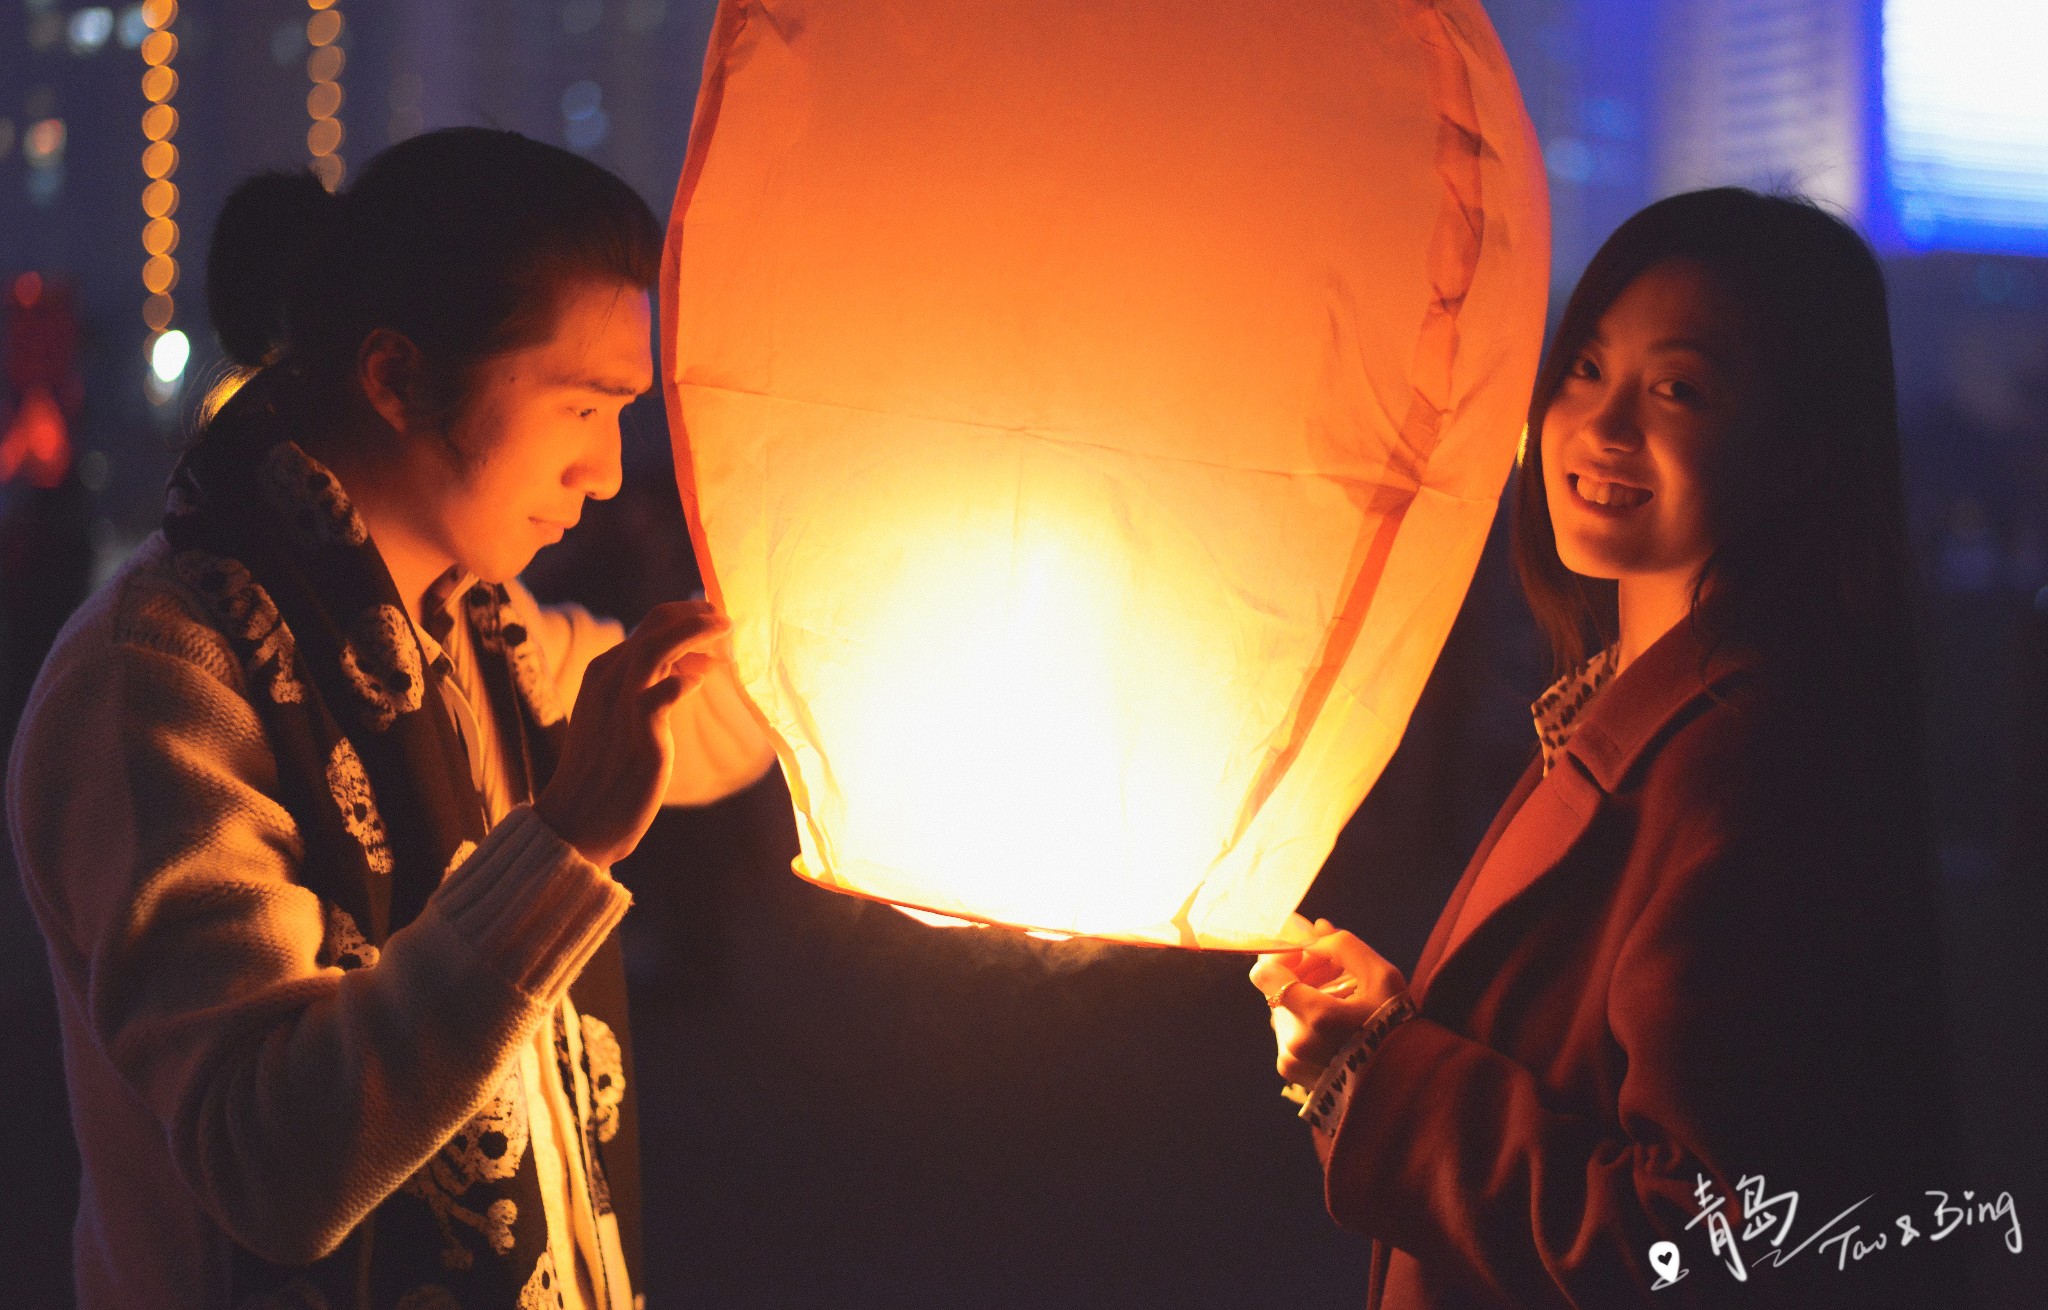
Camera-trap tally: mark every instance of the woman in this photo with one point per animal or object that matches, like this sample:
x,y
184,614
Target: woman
x,y
1691,970
322,865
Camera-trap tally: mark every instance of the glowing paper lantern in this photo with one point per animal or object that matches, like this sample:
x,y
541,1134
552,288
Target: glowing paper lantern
x,y
1091,416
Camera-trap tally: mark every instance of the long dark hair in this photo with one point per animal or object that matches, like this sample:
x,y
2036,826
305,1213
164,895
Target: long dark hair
x,y
1813,563
460,239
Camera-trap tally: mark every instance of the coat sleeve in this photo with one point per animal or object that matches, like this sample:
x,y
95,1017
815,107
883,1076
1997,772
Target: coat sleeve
x,y
1753,1029
293,1097
721,744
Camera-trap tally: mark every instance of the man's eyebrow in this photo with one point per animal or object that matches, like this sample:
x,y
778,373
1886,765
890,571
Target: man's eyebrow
x,y
604,386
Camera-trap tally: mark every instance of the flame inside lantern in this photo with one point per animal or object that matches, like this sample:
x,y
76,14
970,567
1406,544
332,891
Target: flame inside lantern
x,y
997,728
1092,433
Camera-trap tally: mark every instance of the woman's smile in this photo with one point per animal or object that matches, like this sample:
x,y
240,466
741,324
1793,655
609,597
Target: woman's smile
x,y
1606,495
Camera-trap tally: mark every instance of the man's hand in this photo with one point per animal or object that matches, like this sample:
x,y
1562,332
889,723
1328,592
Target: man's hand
x,y
619,755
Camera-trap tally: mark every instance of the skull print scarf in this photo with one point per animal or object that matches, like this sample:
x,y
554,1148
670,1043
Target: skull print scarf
x,y
374,774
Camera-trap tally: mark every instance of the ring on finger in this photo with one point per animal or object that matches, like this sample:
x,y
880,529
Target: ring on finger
x,y
1278,996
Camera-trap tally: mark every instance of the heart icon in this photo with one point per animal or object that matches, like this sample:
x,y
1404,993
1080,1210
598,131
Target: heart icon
x,y
1664,1259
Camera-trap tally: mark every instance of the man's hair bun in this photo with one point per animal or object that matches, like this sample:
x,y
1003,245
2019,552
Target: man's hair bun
x,y
271,228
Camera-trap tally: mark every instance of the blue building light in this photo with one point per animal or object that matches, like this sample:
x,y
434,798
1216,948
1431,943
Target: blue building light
x,y
1965,124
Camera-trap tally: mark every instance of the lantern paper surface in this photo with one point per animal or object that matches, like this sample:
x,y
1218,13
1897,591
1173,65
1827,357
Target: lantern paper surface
x,y
1090,416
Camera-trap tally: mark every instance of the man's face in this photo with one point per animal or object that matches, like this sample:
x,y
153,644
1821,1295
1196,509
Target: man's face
x,y
540,432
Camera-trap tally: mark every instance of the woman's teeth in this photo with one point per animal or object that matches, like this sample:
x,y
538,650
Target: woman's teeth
x,y
1613,495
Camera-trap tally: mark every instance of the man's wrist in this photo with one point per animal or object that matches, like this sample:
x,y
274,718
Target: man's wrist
x,y
564,830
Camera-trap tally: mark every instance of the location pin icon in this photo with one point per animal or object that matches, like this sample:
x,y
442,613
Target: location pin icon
x,y
1664,1259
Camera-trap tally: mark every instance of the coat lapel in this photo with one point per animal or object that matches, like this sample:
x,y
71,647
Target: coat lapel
x,y
1549,822
1433,949
1549,813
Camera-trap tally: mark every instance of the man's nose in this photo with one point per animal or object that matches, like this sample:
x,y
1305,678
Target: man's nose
x,y
601,472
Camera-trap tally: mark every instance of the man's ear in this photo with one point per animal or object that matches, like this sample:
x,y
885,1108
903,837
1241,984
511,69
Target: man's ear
x,y
388,369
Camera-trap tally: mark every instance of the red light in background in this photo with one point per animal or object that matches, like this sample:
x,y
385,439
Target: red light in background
x,y
36,445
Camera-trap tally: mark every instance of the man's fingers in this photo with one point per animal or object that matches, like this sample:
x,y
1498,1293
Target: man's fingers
x,y
691,666
669,631
665,692
668,628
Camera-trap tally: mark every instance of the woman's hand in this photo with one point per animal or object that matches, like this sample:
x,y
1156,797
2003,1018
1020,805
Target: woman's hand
x,y
619,754
1321,995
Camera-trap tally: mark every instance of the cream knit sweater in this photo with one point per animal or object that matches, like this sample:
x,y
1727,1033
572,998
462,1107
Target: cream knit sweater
x,y
226,1084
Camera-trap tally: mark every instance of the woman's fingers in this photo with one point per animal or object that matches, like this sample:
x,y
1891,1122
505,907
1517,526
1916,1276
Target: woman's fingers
x,y
1351,956
1317,971
1297,929
1272,972
1315,1007
1298,1071
1310,1026
1343,949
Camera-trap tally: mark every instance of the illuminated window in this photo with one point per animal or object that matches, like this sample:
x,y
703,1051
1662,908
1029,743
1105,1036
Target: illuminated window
x,y
1966,137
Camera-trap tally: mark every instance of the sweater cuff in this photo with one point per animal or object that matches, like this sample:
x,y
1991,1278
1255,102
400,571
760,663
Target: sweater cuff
x,y
533,907
1331,1096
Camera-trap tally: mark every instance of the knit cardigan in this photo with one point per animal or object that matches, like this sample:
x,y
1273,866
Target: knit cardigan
x,y
228,1083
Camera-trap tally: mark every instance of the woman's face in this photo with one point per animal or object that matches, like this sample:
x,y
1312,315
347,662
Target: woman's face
x,y
1642,444
540,432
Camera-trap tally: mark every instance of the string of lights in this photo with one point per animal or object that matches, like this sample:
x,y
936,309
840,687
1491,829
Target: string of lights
x,y
323,102
168,347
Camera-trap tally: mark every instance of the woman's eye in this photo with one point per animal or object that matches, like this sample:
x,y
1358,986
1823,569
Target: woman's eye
x,y
1584,368
1685,393
585,413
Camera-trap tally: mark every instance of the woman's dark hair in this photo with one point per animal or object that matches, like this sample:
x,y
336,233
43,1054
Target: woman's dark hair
x,y
1813,561
460,239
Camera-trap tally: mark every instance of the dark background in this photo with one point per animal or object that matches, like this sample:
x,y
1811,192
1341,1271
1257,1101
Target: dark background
x,y
843,1108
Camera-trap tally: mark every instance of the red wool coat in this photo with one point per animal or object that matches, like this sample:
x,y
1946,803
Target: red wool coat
x,y
1697,947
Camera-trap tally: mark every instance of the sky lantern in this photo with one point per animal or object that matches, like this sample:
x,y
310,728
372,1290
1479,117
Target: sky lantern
x,y
1090,416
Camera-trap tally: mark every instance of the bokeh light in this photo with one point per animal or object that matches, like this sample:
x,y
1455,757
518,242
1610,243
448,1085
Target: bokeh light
x,y
324,133
169,354
89,29
169,348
